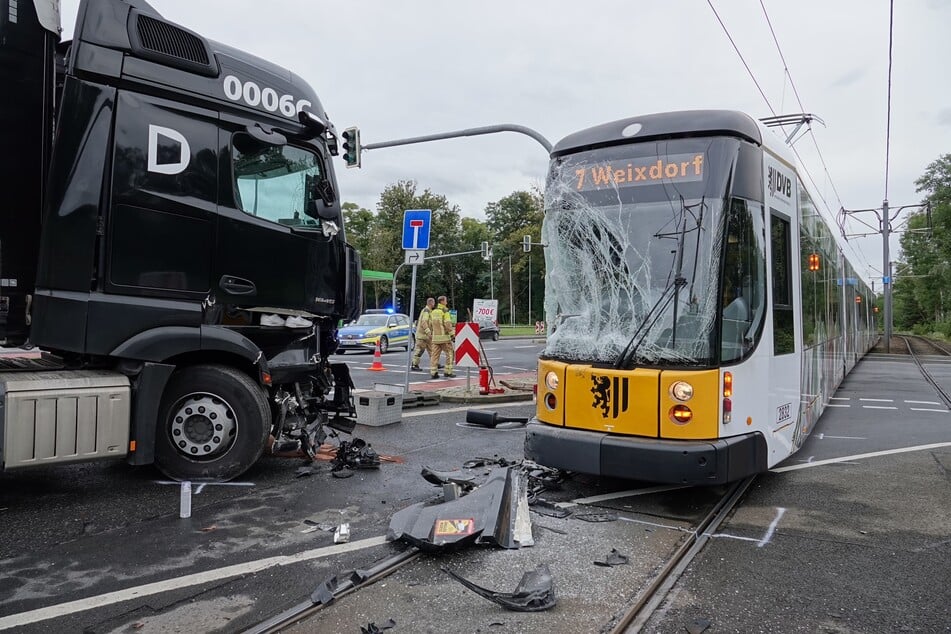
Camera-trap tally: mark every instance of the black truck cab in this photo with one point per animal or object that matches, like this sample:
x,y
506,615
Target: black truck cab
x,y
176,190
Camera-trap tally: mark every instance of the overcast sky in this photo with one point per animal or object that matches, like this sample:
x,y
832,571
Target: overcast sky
x,y
411,68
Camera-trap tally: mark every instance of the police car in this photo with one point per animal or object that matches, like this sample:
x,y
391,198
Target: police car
x,y
390,328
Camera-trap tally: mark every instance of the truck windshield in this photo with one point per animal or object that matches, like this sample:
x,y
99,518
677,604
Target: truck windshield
x,y
634,240
275,182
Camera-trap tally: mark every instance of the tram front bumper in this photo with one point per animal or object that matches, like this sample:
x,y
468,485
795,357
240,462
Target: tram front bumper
x,y
650,459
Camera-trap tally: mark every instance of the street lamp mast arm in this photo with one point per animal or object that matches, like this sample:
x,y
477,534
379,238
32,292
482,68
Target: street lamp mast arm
x,y
489,129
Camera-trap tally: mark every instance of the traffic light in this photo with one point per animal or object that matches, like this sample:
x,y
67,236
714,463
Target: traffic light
x,y
527,244
351,147
486,254
813,261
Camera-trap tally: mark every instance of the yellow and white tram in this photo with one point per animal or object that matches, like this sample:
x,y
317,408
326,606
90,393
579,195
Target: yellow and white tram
x,y
702,311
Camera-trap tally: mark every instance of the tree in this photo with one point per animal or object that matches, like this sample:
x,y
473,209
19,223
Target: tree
x,y
922,300
509,220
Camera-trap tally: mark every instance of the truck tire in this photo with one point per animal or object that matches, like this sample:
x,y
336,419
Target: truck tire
x,y
213,424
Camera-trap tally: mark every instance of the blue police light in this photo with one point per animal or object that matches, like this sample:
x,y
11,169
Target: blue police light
x,y
390,311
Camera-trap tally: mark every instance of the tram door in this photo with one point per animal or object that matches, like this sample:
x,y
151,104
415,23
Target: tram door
x,y
786,345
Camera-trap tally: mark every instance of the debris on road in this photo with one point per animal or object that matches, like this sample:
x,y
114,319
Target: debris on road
x,y
492,419
534,593
355,454
326,591
544,507
495,512
477,462
614,558
342,534
373,628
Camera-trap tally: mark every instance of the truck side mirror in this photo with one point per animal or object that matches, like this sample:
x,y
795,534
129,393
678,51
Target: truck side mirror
x,y
312,122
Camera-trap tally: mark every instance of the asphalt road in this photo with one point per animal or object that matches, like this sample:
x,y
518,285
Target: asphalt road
x,y
508,356
858,543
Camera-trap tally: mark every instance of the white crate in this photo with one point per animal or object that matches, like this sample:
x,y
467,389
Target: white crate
x,y
378,408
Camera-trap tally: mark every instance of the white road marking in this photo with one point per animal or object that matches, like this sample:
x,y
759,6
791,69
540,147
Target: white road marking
x,y
877,400
840,398
728,536
780,511
878,407
512,367
837,405
522,347
150,589
823,436
924,402
861,456
925,409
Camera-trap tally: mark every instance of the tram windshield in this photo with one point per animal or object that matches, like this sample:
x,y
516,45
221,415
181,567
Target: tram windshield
x,y
634,241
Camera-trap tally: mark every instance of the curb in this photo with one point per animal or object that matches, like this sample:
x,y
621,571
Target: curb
x,y
461,395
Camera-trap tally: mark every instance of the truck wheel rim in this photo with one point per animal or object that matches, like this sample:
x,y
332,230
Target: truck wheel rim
x,y
202,425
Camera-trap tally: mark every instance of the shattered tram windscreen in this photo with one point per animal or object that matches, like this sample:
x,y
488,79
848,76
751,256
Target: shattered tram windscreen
x,y
633,235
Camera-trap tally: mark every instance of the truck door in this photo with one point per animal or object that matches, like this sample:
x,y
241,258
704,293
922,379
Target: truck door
x,y
269,252
160,221
165,191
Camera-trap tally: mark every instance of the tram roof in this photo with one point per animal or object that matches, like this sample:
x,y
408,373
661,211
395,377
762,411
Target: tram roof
x,y
663,125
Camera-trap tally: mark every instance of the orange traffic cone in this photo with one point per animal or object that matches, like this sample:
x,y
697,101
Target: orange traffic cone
x,y
377,359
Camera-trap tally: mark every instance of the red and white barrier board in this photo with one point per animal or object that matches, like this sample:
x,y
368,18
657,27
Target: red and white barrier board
x,y
466,348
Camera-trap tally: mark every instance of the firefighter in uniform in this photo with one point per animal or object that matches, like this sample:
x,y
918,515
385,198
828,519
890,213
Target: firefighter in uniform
x,y
442,329
424,332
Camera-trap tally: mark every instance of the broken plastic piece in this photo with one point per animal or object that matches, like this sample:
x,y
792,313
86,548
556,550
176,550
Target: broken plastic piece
x,y
342,534
327,590
448,477
614,558
475,463
544,507
356,454
373,628
491,419
534,593
495,512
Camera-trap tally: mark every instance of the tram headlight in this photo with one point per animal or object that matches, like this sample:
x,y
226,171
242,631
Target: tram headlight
x,y
551,381
680,414
681,390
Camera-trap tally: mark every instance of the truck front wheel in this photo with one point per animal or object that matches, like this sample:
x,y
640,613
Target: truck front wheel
x,y
213,424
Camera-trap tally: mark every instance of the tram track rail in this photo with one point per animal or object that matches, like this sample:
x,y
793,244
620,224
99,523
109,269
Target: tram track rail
x,y
306,609
652,597
628,619
943,393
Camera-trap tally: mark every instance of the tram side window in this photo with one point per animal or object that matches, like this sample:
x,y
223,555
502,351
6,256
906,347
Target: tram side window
x,y
784,341
743,296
